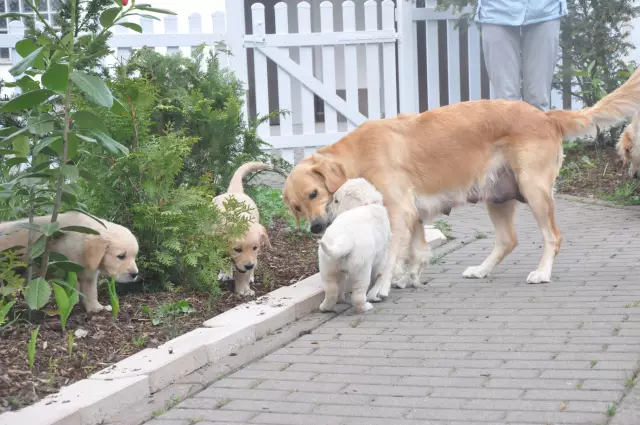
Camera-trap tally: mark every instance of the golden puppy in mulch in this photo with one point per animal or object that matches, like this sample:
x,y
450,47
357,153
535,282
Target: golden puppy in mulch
x,y
112,253
244,251
629,147
493,151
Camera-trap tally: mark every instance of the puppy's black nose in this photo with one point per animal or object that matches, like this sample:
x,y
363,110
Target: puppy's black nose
x,y
133,275
248,266
318,226
635,175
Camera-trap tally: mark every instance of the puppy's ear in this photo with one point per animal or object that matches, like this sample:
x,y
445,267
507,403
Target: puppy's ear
x,y
264,237
332,172
95,247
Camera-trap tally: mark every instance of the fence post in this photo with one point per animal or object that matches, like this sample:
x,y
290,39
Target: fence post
x,y
171,27
407,57
235,43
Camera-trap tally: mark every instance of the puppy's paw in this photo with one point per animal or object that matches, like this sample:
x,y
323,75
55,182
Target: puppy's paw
x,y
538,277
363,308
247,293
252,279
475,272
224,277
326,307
97,308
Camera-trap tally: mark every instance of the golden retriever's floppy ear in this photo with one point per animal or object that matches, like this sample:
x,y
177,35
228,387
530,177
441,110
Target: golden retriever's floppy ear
x,y
264,237
295,213
95,247
332,172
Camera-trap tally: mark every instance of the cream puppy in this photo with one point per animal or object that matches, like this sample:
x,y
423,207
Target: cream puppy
x,y
353,249
112,253
244,251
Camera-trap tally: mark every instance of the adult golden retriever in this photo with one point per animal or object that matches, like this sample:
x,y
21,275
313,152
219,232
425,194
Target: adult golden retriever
x,y
494,151
112,253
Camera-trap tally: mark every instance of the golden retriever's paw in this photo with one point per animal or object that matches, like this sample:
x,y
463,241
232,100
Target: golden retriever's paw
x,y
475,272
538,277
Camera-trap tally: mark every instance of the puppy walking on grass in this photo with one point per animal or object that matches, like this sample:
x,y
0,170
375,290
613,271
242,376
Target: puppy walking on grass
x,y
353,250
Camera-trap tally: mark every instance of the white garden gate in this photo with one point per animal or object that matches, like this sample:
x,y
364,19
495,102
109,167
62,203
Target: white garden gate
x,y
296,79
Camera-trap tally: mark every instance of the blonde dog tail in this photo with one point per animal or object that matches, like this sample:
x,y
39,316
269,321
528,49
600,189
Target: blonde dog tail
x,y
250,167
338,247
614,108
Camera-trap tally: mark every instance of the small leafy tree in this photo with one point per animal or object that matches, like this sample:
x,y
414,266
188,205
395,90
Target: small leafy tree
x,y
41,153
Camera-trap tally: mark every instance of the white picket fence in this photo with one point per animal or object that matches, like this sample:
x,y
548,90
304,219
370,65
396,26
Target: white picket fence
x,y
332,65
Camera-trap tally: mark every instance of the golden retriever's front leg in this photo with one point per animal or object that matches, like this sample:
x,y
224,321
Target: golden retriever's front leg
x,y
88,285
419,254
400,237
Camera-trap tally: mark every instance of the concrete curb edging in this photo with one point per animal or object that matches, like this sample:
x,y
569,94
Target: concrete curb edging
x,y
132,380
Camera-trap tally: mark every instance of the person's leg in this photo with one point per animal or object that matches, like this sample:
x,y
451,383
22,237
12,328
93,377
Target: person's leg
x,y
539,57
501,47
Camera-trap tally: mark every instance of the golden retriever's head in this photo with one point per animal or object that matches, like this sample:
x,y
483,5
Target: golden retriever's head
x,y
244,251
628,148
113,253
309,189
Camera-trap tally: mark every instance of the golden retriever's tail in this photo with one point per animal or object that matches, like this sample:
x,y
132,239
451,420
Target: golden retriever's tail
x,y
339,246
612,109
250,167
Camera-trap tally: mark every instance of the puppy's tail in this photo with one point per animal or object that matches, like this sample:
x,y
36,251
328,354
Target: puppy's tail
x,y
250,167
337,247
614,108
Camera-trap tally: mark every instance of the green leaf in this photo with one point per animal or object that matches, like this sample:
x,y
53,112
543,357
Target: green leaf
x,y
26,63
70,172
142,15
44,143
94,87
37,248
119,108
21,145
89,121
5,310
27,100
131,25
80,210
50,228
72,149
62,300
85,138
109,144
80,229
40,124
26,47
12,162
148,8
109,16
37,293
68,266
27,83
31,347
56,78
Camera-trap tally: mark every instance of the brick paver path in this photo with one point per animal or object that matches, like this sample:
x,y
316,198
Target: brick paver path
x,y
463,352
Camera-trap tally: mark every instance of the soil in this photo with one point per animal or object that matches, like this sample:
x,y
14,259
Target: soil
x,y
597,174
293,257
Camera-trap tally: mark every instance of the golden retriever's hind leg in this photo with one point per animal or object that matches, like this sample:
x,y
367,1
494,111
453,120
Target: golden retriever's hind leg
x,y
419,254
542,206
502,216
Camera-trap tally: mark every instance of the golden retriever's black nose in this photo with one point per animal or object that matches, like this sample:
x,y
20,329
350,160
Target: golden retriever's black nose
x,y
134,275
318,226
248,266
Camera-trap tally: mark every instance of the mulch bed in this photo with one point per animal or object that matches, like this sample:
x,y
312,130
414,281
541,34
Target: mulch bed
x,y
599,180
293,257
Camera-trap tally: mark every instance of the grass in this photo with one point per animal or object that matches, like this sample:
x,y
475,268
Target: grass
x,y
593,363
632,379
222,401
611,410
272,208
357,322
481,235
633,304
443,226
